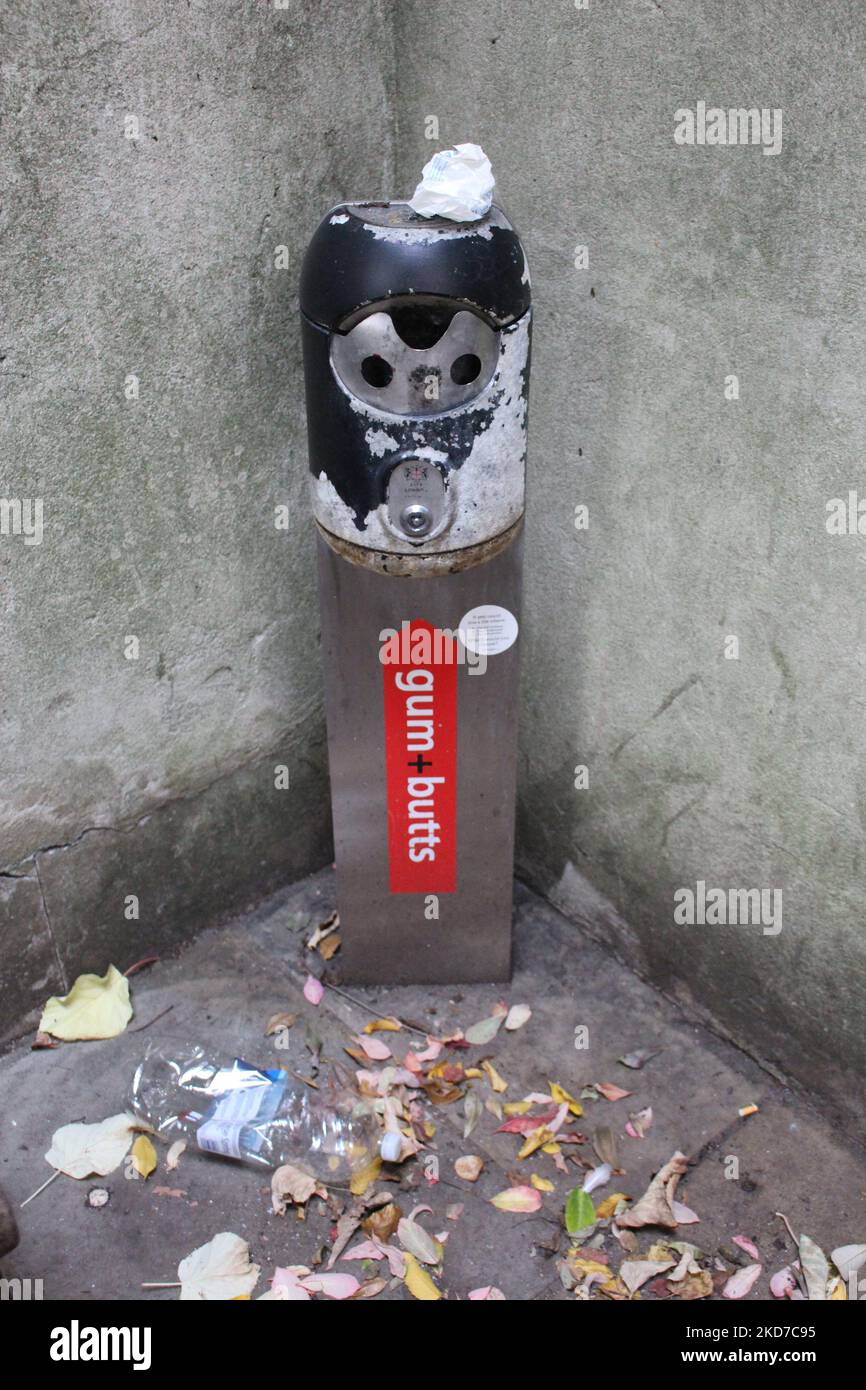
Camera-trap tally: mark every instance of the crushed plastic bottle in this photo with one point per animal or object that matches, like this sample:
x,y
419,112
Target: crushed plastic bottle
x,y
253,1114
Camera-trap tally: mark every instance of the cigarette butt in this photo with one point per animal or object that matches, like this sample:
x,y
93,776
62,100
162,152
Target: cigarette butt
x,y
747,1110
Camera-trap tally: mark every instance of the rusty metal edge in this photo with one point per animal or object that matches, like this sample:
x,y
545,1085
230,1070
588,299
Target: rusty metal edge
x,y
421,566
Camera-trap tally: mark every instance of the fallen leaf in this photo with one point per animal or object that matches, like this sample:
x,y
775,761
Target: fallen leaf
x,y
519,1199
80,1150
472,1109
684,1215
323,930
43,1040
636,1061
485,1031
290,1184
535,1140
95,1007
169,1192
517,1015
418,1281
174,1153
698,1284
143,1156
783,1284
816,1271
525,1124
610,1091
328,948
562,1097
371,1289
848,1259
385,1025
365,1177
219,1270
375,1049
383,1223
313,990
609,1205
640,1122
654,1208
489,1293
419,1242
742,1282
493,1077
542,1184
604,1143
277,1022
579,1211
469,1167
633,1273
748,1245
338,1286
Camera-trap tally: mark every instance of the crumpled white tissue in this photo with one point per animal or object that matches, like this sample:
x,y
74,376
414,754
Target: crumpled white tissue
x,y
456,183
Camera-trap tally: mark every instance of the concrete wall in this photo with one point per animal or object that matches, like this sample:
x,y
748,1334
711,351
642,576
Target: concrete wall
x,y
155,257
706,515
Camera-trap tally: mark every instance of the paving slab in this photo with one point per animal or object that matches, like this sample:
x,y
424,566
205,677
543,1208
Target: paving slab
x,y
222,989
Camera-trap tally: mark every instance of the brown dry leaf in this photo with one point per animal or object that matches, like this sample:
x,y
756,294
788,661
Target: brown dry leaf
x,y
604,1143
290,1184
469,1167
330,946
324,929
655,1208
277,1022
383,1223
43,1040
371,1288
698,1285
633,1273
610,1091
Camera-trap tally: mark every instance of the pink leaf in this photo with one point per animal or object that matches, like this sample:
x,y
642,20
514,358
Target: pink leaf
x,y
748,1245
524,1124
742,1282
375,1048
488,1294
684,1215
783,1284
332,1285
313,990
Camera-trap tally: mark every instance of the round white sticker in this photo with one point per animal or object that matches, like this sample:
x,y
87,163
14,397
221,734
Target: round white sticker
x,y
488,630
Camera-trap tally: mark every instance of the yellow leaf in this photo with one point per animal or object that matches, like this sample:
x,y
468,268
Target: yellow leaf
x,y
582,1267
552,1148
516,1107
418,1281
365,1177
494,1078
543,1184
143,1156
561,1096
609,1205
95,1007
534,1141
383,1025
837,1291
474,1072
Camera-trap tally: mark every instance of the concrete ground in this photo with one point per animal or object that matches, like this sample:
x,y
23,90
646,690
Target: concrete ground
x,y
230,981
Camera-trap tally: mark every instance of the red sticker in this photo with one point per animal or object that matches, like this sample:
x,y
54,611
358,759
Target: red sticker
x,y
420,675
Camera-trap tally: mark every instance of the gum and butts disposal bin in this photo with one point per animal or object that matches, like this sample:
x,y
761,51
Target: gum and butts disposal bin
x,y
416,336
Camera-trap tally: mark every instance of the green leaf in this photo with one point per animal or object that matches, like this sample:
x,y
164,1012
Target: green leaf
x,y
579,1211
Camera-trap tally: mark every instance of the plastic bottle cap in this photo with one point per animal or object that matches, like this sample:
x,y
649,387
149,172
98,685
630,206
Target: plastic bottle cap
x,y
390,1146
